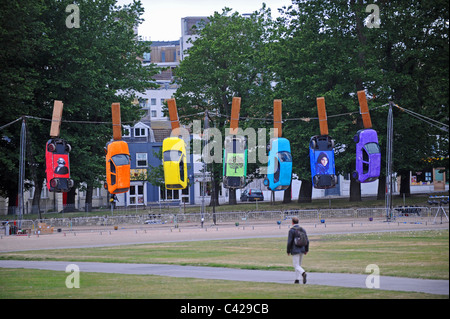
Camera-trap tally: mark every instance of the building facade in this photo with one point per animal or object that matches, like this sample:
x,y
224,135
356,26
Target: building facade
x,y
189,27
144,143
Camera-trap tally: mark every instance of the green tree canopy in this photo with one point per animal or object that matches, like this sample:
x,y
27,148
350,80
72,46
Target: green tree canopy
x,y
327,48
227,60
87,68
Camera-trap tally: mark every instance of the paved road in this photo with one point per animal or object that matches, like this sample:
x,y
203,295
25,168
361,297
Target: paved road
x,y
440,287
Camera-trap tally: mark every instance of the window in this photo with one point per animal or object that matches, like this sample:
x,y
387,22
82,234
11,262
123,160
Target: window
x,y
365,159
365,155
235,146
172,156
143,102
139,132
276,176
153,113
153,101
126,131
137,195
168,194
285,156
372,148
140,129
185,195
120,159
181,170
141,160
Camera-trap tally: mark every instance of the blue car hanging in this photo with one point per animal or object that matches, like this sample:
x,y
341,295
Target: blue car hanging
x,y
279,169
321,153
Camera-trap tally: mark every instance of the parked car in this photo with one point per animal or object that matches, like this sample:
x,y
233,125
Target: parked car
x,y
321,157
174,163
252,195
279,169
368,156
57,165
117,167
234,161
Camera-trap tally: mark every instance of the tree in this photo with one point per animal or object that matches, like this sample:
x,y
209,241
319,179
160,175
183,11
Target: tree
x,y
155,174
88,68
316,57
226,61
412,47
327,49
22,38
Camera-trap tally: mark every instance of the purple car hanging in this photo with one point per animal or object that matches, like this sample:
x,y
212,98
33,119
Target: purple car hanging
x,y
368,155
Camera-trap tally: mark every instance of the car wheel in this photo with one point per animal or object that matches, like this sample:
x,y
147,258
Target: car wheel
x,y
68,148
54,183
51,147
105,185
356,138
316,179
355,175
313,144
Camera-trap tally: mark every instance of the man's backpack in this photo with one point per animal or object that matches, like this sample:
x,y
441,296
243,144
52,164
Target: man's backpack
x,y
300,238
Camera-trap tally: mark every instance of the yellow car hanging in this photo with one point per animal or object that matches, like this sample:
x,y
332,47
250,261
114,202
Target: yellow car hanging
x,y
174,154
174,163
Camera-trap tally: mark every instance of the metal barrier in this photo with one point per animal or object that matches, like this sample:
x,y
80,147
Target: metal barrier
x,y
399,214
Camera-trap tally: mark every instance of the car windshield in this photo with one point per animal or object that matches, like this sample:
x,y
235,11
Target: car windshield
x,y
172,156
60,148
372,148
285,156
256,191
121,159
238,146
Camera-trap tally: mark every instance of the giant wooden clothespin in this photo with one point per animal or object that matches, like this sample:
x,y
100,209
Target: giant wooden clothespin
x,y
117,126
322,116
56,118
364,109
277,117
235,110
173,115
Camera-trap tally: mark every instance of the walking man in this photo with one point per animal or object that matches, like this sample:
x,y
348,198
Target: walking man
x,y
297,246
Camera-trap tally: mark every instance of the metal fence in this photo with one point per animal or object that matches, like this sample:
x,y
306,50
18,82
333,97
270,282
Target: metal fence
x,y
410,214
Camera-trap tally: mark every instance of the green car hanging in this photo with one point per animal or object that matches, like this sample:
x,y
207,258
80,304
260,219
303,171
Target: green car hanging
x,y
235,152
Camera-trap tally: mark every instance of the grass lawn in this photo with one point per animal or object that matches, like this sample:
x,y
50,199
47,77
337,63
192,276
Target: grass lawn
x,y
420,254
43,284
